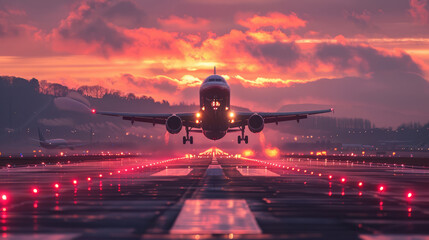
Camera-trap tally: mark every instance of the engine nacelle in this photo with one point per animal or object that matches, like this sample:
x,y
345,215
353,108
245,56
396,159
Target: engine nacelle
x,y
255,123
173,124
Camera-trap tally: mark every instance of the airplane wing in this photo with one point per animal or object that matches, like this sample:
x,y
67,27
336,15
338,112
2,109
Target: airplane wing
x,y
154,118
275,117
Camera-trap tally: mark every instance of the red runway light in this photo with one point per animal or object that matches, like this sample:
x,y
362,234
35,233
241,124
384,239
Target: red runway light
x,y
110,173
320,174
343,180
93,110
74,182
381,188
360,184
89,179
56,185
410,195
4,197
101,175
35,190
330,177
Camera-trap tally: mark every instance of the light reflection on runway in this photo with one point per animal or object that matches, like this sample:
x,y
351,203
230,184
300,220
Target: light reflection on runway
x,y
289,198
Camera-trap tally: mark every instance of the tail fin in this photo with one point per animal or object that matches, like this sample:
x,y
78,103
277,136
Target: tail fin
x,y
214,70
41,137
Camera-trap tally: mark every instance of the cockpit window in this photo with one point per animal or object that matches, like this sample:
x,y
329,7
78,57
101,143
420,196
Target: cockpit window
x,y
214,79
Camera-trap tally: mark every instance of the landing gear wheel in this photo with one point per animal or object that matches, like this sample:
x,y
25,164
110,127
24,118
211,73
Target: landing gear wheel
x,y
246,139
184,140
239,139
191,140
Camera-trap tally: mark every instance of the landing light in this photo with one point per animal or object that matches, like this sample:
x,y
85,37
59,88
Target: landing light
x,y
231,114
198,114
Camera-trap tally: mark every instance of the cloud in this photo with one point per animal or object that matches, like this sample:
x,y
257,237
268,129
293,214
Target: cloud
x,y
418,10
176,23
361,20
364,59
274,20
284,55
93,32
387,98
11,22
124,14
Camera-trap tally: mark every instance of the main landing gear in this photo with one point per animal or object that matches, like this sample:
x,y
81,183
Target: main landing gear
x,y
187,138
242,137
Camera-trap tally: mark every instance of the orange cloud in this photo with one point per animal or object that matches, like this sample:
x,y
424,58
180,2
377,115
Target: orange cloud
x,y
176,23
275,20
418,11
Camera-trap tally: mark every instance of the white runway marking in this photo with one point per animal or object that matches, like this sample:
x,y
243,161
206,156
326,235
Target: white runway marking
x,y
174,172
257,172
215,216
215,170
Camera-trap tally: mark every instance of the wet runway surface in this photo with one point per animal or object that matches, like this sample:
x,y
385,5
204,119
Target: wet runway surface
x,y
215,197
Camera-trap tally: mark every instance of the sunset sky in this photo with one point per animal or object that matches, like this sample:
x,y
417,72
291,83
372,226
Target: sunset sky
x,y
366,58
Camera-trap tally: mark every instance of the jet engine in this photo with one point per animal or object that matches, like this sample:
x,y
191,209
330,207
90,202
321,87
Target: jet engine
x,y
255,123
173,124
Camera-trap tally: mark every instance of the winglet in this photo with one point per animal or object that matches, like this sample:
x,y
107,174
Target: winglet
x,y
214,70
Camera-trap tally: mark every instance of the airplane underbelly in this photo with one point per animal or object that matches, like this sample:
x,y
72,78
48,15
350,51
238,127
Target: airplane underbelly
x,y
215,125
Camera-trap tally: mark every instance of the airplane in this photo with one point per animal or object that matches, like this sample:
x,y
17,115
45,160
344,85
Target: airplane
x,y
60,143
215,117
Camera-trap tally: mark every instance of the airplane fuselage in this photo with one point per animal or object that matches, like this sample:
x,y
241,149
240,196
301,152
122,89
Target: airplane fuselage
x,y
215,107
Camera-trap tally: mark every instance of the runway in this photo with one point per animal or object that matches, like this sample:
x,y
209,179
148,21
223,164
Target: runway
x,y
215,196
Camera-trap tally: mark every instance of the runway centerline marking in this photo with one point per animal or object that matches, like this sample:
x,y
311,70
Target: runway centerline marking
x,y
172,172
215,216
257,172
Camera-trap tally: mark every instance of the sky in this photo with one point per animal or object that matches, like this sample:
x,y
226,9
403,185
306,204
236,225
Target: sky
x,y
365,58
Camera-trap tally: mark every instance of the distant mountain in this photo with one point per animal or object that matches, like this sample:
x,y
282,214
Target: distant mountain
x,y
378,116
